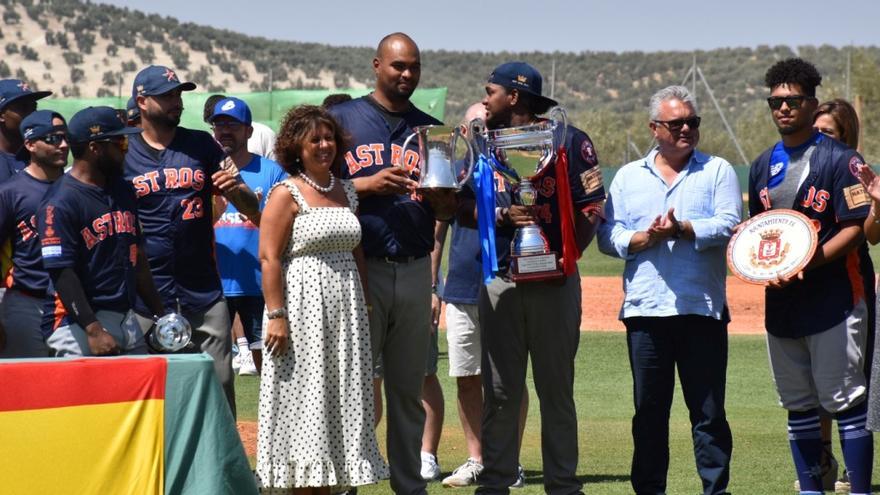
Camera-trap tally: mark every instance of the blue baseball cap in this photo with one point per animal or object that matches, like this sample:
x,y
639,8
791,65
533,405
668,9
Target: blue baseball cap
x,y
39,124
157,80
232,107
94,123
14,89
132,110
520,76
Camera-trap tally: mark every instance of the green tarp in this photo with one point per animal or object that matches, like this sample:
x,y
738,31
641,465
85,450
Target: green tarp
x,y
267,108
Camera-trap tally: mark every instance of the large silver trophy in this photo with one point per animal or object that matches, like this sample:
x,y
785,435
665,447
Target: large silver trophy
x,y
532,145
438,167
171,333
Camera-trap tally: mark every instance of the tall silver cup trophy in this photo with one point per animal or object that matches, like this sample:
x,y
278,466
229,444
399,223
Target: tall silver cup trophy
x,y
532,145
438,167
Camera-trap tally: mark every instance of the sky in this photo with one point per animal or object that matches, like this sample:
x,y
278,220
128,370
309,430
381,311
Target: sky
x,y
540,25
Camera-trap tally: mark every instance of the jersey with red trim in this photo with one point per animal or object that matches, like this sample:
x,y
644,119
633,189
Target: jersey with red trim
x,y
584,179
829,195
94,231
173,189
20,196
393,225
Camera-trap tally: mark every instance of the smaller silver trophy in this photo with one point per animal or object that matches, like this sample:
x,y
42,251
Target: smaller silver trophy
x,y
531,257
171,333
438,167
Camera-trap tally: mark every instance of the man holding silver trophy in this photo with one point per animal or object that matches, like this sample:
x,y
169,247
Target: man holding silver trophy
x,y
531,304
90,237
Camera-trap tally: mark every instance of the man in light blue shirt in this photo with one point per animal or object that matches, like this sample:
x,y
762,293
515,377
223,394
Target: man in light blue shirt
x,y
670,216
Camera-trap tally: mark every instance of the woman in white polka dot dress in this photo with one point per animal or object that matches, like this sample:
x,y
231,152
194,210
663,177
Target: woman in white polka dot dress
x,y
316,399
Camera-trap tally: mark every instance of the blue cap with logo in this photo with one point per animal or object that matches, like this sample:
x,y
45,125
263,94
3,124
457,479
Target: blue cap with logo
x,y
14,89
39,124
157,80
95,123
132,110
233,107
520,76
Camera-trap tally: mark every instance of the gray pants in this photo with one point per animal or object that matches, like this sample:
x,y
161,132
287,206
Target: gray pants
x,y
400,294
541,320
212,334
71,340
22,316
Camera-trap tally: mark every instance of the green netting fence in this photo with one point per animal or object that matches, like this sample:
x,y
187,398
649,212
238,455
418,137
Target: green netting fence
x,y
267,107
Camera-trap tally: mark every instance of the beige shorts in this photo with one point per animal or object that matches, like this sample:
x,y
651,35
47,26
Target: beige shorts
x,y
463,339
824,369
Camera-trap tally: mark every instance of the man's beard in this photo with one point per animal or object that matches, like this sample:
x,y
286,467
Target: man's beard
x,y
161,119
108,166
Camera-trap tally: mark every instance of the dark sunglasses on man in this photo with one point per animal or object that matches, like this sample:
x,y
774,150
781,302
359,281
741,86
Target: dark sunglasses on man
x,y
676,125
53,139
793,101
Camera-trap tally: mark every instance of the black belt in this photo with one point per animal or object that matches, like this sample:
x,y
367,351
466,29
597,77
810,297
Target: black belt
x,y
398,259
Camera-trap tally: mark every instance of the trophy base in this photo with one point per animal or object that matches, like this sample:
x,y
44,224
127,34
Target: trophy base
x,y
534,267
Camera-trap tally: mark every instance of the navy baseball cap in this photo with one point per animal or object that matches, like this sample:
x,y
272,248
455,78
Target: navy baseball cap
x,y
233,107
132,110
14,89
520,76
39,124
94,123
157,80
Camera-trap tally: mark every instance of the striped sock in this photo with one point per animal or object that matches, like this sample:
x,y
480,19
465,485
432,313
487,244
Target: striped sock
x,y
805,439
857,445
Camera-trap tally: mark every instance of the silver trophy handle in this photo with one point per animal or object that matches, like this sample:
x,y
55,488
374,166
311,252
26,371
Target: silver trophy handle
x,y
403,153
558,116
469,154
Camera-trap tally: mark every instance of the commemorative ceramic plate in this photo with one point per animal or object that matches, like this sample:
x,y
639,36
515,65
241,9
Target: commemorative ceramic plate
x,y
776,242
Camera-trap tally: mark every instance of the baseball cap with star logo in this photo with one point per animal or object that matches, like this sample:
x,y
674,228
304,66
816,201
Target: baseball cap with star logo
x,y
157,80
14,89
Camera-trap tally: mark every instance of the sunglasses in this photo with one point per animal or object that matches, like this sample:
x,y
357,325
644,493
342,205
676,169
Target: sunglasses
x,y
120,141
794,102
53,139
676,125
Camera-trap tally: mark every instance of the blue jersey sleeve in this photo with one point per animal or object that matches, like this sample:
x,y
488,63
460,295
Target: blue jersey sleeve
x,y
851,201
7,215
59,239
585,177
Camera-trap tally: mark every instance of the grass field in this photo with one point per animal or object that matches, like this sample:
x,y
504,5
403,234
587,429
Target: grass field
x,y
603,392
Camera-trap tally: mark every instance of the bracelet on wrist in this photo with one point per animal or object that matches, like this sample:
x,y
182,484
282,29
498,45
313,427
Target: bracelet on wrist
x,y
276,314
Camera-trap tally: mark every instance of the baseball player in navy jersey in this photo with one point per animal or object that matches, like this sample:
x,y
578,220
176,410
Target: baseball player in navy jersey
x,y
174,172
398,235
538,319
21,311
17,101
90,242
817,319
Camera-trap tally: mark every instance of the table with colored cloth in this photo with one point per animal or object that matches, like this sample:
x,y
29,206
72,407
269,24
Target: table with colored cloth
x,y
121,425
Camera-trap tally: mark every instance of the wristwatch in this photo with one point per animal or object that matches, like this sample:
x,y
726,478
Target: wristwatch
x,y
276,313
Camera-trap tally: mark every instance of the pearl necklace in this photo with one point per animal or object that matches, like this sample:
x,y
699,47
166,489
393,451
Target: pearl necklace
x,y
308,180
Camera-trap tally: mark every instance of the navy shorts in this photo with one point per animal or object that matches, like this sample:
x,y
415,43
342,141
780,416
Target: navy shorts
x,y
250,311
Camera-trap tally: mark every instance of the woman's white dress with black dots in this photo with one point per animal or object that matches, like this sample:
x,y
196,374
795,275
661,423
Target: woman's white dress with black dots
x,y
316,401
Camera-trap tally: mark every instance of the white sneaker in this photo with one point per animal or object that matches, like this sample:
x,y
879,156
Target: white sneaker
x,y
464,475
430,467
520,478
236,363
248,368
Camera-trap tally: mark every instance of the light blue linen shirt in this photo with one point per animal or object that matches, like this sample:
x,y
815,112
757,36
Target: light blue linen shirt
x,y
675,276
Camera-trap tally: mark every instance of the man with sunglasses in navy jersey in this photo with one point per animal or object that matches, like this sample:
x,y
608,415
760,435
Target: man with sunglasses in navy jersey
x,y
27,281
670,216
817,320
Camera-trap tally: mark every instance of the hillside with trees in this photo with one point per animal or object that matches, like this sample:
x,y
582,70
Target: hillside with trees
x,y
80,49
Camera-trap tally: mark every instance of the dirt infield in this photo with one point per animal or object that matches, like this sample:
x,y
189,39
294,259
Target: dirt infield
x,y
602,296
